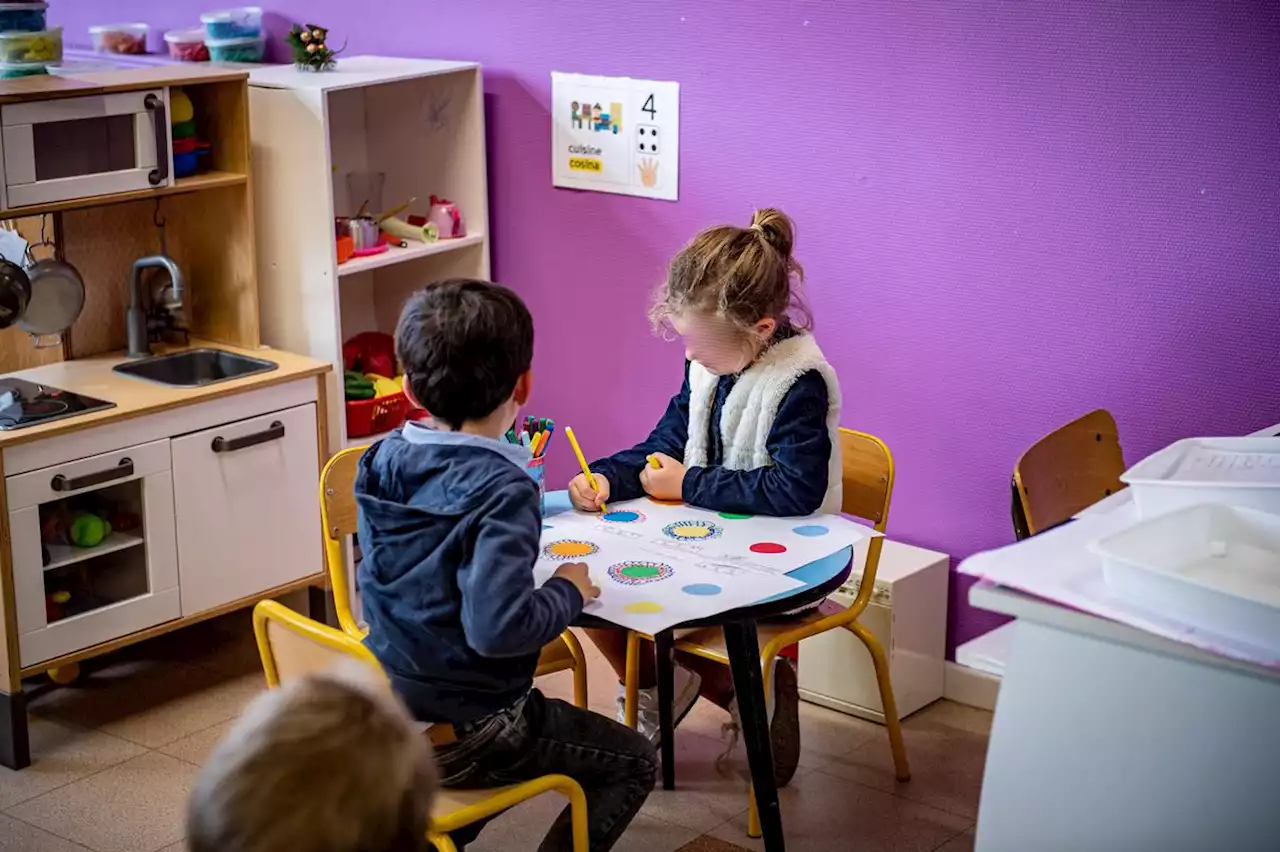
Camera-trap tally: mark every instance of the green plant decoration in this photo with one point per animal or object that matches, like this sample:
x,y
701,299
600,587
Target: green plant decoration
x,y
310,49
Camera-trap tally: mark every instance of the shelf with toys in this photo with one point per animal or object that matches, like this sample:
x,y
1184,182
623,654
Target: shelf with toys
x,y
377,146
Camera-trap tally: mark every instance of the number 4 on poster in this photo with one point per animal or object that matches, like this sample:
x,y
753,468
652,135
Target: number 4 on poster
x,y
615,134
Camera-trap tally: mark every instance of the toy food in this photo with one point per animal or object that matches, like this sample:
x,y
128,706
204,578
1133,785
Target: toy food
x,y
370,352
382,386
89,530
356,386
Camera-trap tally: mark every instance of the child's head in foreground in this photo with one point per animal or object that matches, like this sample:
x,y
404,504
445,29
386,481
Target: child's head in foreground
x,y
329,762
729,288
466,347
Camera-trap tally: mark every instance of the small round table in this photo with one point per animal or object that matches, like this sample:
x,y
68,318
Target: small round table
x,y
820,577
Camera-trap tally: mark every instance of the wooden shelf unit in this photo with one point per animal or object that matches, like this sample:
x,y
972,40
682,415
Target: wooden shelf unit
x,y
421,124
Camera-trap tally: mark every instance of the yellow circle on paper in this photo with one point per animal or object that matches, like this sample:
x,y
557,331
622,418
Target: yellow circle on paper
x,y
572,548
643,608
692,530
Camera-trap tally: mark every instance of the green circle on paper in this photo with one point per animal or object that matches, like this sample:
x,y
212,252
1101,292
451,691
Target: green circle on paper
x,y
734,516
640,572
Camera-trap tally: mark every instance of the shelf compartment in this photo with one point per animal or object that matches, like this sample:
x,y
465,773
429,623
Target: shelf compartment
x,y
62,555
195,183
394,255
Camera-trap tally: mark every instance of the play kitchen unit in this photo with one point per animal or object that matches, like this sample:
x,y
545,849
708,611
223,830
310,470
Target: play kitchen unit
x,y
159,465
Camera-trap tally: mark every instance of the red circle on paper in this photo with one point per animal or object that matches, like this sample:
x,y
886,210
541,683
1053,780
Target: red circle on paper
x,y
767,547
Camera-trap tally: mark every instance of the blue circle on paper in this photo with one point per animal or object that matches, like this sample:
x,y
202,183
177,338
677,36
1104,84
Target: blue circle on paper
x,y
702,589
811,530
622,516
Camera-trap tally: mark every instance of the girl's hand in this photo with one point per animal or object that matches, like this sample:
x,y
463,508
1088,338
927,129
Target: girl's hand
x,y
584,497
665,482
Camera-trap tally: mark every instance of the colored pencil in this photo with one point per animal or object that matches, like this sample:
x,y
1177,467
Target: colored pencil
x,y
582,460
654,463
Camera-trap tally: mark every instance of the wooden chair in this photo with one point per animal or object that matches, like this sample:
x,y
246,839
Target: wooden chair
x,y
292,645
338,514
1066,471
868,486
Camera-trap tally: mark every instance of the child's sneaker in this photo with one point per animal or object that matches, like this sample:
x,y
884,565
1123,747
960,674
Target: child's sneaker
x,y
687,684
784,724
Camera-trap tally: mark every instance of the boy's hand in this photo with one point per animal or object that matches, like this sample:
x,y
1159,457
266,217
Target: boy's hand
x,y
576,573
665,482
584,497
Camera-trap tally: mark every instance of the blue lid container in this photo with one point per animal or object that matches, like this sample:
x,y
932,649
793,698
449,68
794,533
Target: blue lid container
x,y
22,17
240,22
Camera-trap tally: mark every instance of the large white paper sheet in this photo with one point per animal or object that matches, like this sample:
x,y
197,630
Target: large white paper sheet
x,y
660,565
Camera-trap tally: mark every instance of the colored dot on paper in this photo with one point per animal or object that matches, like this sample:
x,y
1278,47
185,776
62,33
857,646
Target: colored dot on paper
x,y
640,571
811,530
702,589
666,502
623,517
570,549
643,608
768,547
733,516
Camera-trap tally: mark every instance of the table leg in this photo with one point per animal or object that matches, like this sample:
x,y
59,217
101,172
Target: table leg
x,y
15,747
664,643
743,649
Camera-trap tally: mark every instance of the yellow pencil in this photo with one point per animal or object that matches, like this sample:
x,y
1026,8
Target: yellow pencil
x,y
654,463
582,460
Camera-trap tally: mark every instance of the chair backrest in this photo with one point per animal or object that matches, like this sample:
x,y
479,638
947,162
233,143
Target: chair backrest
x,y
339,515
868,488
292,645
1068,470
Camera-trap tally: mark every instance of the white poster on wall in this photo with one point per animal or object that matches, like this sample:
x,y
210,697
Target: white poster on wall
x,y
615,134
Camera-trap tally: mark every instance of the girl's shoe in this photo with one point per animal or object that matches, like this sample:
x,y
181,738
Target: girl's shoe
x,y
784,724
687,684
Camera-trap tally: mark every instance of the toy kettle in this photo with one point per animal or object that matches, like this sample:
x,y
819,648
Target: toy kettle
x,y
447,219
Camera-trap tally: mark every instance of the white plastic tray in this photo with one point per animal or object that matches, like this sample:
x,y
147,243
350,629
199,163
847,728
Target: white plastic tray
x,y
1212,567
1234,471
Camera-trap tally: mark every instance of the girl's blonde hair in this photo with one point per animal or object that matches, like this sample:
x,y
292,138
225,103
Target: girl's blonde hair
x,y
743,274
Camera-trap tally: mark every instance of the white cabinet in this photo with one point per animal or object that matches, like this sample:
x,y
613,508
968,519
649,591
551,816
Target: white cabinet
x,y
246,498
68,598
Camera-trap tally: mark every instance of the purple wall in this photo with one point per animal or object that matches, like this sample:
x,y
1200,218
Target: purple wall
x,y
1010,213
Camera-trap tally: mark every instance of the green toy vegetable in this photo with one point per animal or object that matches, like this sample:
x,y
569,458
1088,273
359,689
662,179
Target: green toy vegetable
x,y
356,386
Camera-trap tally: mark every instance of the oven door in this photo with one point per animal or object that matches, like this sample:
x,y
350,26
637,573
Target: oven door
x,y
62,150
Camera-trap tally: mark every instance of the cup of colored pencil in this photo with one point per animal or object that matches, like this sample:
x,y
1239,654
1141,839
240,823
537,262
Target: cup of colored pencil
x,y
534,433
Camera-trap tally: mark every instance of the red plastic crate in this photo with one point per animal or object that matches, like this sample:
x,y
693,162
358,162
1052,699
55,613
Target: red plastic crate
x,y
374,416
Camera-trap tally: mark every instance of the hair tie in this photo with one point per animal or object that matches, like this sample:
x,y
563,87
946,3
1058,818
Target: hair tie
x,y
756,226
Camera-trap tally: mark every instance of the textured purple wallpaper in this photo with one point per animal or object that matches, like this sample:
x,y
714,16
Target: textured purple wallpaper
x,y
1010,213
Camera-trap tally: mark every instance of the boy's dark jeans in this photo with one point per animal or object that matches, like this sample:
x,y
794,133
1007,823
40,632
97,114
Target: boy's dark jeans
x,y
541,736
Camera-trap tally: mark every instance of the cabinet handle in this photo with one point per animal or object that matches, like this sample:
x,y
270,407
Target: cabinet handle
x,y
123,470
155,105
229,445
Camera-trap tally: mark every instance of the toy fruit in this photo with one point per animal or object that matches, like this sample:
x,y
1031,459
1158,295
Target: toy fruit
x,y
356,386
89,530
181,110
382,386
370,352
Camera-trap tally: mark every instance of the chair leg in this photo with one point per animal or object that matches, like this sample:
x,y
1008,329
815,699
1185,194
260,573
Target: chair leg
x,y
442,842
896,745
631,691
666,698
579,669
578,818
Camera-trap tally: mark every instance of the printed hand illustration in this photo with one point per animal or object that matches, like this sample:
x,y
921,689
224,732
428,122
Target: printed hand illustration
x,y
649,172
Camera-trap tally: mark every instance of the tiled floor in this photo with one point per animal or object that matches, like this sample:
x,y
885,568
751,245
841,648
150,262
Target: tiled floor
x,y
114,758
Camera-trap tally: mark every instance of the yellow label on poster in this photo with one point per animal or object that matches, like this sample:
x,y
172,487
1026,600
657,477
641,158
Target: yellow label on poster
x,y
585,164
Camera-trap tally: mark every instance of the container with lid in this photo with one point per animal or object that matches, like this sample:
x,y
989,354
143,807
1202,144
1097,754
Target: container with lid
x,y
119,38
187,45
22,17
237,49
240,22
26,46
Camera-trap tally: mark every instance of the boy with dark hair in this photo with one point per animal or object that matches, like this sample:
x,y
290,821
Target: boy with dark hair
x,y
449,527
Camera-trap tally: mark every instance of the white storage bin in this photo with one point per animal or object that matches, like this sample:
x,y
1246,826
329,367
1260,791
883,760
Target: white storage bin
x,y
1234,471
1213,567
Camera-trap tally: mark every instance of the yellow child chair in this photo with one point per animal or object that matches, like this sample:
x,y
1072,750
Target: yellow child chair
x,y
292,645
338,513
868,486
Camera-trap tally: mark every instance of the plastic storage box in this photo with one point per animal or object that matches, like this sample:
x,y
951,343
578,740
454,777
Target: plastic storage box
x,y
1235,471
25,17
240,22
237,49
120,38
187,45
11,70
1213,567
26,46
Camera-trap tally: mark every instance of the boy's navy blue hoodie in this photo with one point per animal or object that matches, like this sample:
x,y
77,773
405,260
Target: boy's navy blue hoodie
x,y
449,528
